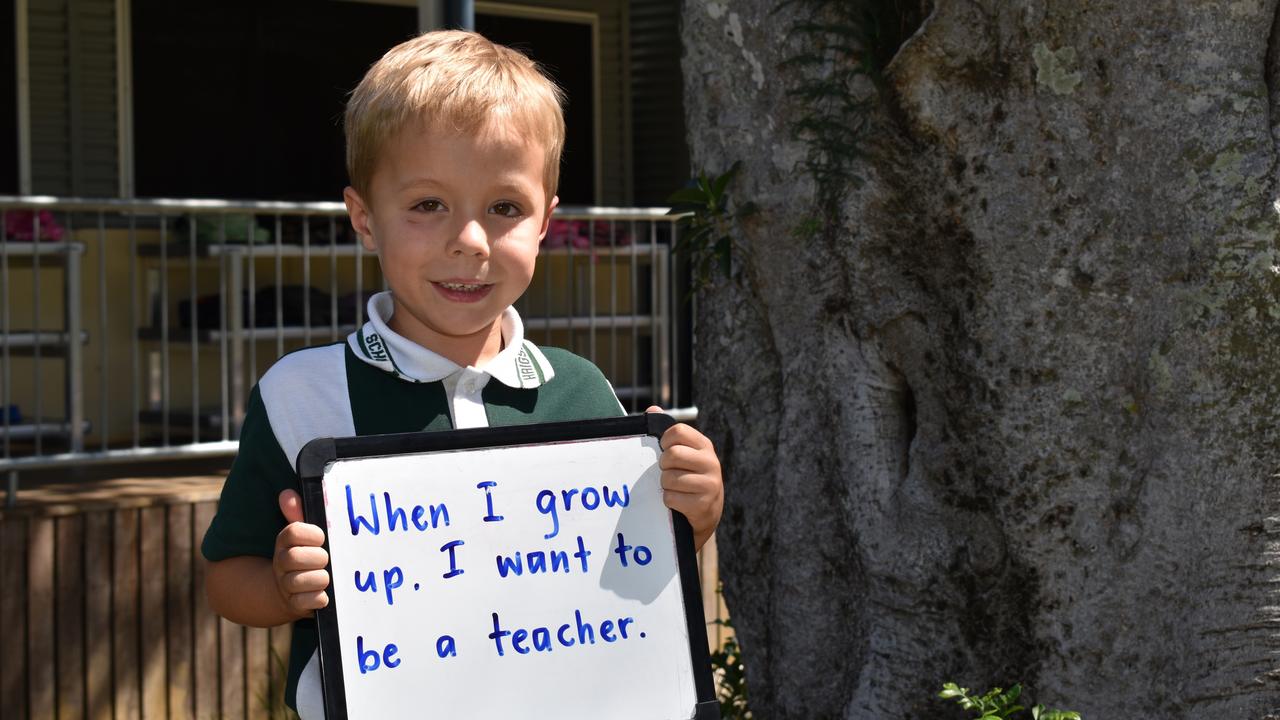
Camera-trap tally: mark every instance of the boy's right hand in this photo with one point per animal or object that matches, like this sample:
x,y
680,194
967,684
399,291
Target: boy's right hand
x,y
300,560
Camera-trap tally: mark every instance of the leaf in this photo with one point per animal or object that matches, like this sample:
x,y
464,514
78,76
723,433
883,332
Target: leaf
x,y
705,185
699,236
722,250
688,195
722,182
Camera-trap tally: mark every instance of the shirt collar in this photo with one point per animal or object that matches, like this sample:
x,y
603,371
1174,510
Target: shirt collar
x,y
520,364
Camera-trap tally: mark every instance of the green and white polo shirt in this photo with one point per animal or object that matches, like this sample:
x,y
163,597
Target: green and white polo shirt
x,y
373,383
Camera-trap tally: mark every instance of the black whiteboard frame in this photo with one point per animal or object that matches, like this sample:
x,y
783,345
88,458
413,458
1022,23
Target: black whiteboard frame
x,y
315,457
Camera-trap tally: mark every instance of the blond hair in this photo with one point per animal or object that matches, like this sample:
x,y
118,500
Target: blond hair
x,y
452,79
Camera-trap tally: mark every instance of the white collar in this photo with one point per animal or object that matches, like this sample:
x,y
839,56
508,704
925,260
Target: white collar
x,y
520,364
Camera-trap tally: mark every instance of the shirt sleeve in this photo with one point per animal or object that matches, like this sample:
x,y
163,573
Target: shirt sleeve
x,y
581,389
248,517
599,398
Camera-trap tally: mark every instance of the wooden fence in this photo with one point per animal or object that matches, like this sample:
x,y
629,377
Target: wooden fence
x,y
103,616
103,612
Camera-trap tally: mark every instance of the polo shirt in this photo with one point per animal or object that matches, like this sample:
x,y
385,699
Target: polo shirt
x,y
379,382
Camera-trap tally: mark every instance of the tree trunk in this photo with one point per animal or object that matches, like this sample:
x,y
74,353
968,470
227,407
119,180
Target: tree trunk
x,y
1002,405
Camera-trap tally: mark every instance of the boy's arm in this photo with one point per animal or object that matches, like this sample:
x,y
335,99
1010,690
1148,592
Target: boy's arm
x,y
691,479
265,592
243,590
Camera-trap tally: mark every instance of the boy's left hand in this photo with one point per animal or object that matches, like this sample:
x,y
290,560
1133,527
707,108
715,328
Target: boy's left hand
x,y
691,481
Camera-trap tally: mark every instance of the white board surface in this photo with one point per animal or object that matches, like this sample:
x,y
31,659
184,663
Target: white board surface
x,y
586,629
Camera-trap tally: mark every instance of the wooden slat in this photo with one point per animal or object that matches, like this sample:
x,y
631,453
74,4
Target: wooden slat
x,y
70,617
40,632
97,614
124,605
280,637
151,626
231,662
257,672
75,497
13,617
180,633
205,626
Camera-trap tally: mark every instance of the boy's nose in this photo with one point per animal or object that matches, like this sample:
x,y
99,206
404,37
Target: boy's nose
x,y
471,240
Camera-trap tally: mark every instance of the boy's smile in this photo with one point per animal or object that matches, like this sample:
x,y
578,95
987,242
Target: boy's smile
x,y
456,220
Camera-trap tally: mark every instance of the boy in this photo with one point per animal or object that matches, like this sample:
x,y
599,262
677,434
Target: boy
x,y
453,149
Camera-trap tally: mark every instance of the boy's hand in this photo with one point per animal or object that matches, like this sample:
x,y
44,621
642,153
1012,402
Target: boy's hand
x,y
691,481
300,560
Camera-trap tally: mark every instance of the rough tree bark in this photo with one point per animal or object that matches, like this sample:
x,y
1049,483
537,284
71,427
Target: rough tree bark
x,y
1014,415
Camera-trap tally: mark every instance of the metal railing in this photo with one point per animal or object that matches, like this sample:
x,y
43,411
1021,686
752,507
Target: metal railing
x,y
132,330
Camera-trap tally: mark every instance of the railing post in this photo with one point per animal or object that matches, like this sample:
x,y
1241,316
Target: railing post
x,y
75,350
664,314
235,328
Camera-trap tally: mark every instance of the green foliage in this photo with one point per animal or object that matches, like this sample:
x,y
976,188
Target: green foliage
x,y
272,697
232,228
844,46
706,228
1000,704
731,678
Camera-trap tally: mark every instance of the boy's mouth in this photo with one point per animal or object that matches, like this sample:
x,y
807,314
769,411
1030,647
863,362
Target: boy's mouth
x,y
463,291
463,287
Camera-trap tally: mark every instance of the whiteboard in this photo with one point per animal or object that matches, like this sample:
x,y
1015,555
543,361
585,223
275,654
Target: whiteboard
x,y
526,580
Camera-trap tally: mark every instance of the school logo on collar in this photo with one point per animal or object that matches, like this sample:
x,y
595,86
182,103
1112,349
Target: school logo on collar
x,y
374,346
532,369
525,368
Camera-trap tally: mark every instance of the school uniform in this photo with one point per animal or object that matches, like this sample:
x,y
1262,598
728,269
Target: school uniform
x,y
380,382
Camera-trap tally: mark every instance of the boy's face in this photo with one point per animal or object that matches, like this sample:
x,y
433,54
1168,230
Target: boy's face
x,y
456,220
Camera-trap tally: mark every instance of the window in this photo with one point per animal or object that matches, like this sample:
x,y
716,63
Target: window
x,y
564,49
244,98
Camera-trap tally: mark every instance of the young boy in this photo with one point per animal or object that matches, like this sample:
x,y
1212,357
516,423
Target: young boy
x,y
453,149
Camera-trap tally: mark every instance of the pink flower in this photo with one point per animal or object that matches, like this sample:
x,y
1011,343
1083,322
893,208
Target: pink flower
x,y
581,233
20,225
561,233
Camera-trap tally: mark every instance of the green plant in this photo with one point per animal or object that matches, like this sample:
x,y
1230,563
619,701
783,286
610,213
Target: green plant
x,y
841,49
731,678
271,699
706,228
1000,704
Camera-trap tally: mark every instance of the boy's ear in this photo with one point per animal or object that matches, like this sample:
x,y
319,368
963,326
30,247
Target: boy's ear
x,y
546,219
359,213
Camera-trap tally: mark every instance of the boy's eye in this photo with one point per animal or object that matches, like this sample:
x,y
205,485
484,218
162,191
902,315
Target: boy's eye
x,y
429,206
505,209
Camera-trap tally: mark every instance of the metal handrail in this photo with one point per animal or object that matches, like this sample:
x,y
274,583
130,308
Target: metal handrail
x,y
222,448
170,205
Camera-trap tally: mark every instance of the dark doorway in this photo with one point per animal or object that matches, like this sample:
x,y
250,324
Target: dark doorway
x,y
244,98
564,49
8,100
